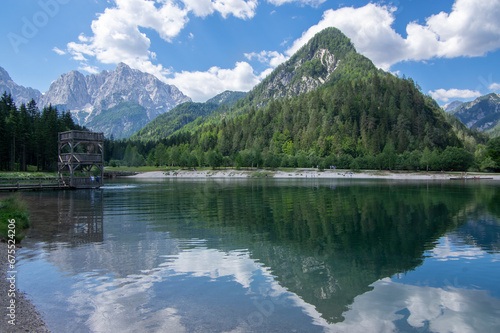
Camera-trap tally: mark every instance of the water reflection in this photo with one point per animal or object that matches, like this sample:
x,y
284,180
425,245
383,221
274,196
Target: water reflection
x,y
396,307
68,217
259,256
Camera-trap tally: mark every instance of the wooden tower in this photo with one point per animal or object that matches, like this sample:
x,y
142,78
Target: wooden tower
x,y
81,159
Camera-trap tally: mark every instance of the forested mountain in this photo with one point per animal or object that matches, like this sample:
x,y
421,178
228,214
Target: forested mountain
x,y
187,113
28,136
482,114
227,97
327,105
329,57
120,121
450,107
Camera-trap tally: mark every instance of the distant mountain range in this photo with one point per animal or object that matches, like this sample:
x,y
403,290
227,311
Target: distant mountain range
x,y
19,93
482,114
117,102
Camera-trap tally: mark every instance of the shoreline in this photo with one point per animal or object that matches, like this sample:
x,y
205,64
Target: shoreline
x,y
313,173
27,319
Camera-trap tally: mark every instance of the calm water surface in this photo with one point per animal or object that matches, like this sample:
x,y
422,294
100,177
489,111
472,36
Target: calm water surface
x,y
266,256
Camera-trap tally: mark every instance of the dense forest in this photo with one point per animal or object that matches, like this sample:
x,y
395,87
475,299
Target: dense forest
x,y
28,136
306,114
381,122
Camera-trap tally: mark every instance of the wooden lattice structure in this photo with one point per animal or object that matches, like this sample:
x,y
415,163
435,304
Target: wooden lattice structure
x,y
81,159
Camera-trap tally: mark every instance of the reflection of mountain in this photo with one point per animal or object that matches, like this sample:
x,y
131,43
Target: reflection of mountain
x,y
181,252
325,244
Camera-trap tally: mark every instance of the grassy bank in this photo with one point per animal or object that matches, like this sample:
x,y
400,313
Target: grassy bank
x,y
13,211
26,174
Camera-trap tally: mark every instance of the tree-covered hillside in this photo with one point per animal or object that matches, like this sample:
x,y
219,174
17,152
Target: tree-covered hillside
x,y
120,121
343,112
189,113
28,136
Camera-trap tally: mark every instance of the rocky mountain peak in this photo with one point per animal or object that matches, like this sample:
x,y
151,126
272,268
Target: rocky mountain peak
x,y
483,113
310,67
87,97
19,93
4,76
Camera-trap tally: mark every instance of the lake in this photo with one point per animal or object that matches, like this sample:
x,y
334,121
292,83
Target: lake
x,y
265,255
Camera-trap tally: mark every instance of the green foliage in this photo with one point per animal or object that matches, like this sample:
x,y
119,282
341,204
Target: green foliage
x,y
28,136
167,123
112,120
13,208
361,118
454,158
493,151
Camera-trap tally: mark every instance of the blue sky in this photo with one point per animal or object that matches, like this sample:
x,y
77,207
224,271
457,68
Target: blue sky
x,y
451,48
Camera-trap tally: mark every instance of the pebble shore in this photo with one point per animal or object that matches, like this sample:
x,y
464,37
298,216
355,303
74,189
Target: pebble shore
x,y
27,318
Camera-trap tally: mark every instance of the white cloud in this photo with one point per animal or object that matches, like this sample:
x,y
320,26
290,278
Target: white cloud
x,y
239,8
200,8
271,58
117,36
312,3
494,86
89,69
446,95
471,29
58,51
201,86
369,28
425,308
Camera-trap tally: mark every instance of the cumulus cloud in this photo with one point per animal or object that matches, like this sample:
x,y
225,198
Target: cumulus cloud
x,y
471,29
494,86
271,58
89,69
239,8
117,36
201,86
446,95
58,51
312,3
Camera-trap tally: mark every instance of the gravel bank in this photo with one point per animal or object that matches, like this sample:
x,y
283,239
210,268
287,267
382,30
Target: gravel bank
x,y
27,317
308,173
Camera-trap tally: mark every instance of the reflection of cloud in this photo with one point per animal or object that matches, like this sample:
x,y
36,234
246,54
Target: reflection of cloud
x,y
160,298
125,304
214,264
451,310
445,251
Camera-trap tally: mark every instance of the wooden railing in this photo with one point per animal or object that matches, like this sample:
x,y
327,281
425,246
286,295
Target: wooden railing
x,y
81,136
83,158
14,184
30,183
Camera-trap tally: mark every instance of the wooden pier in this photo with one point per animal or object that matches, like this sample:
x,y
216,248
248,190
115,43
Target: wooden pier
x,y
43,183
80,165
